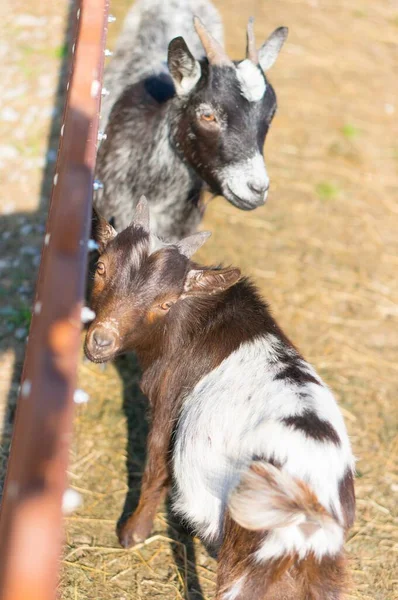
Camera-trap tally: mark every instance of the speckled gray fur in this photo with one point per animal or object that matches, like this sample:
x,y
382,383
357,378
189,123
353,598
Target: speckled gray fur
x,y
138,157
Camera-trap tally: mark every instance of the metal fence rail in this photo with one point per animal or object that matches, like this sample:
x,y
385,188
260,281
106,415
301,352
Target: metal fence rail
x,y
31,512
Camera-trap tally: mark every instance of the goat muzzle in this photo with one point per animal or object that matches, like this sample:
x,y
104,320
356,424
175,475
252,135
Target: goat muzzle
x,y
101,344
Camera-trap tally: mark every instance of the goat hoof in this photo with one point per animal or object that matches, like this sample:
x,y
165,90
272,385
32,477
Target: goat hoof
x,y
129,540
131,534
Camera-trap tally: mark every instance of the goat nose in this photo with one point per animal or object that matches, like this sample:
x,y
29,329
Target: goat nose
x,y
102,339
258,188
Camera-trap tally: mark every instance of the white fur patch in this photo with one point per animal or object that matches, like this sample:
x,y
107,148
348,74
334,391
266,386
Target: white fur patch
x,y
235,589
288,540
322,465
237,177
251,81
232,415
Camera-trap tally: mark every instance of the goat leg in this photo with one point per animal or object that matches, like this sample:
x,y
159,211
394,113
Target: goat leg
x,y
154,487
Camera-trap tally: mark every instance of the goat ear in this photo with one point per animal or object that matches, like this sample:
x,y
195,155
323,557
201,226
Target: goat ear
x,y
189,245
141,214
103,232
184,68
203,282
269,51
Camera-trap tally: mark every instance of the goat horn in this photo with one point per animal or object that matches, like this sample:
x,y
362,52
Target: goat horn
x,y
251,51
141,214
214,51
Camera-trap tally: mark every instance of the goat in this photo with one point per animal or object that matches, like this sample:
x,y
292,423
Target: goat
x,y
250,436
173,127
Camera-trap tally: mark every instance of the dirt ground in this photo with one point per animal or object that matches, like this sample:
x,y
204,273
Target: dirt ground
x,y
323,252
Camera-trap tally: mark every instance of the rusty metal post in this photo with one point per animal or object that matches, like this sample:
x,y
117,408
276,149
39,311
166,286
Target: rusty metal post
x,y
31,512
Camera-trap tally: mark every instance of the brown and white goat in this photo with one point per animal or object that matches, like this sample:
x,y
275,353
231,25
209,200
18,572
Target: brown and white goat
x,y
250,438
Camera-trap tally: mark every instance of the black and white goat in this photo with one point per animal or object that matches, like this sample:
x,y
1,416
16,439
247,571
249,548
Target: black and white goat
x,y
173,126
250,436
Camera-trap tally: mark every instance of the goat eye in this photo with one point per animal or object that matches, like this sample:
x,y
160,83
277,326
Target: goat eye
x,y
100,268
166,305
208,117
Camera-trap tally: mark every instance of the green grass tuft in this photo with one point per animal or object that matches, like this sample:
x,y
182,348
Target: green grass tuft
x,y
61,51
350,131
327,190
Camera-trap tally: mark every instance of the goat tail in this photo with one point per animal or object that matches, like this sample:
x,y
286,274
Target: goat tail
x,y
270,499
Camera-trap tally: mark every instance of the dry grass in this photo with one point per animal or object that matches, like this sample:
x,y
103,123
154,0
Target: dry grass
x,y
324,253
